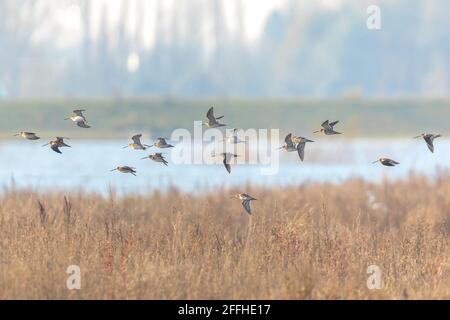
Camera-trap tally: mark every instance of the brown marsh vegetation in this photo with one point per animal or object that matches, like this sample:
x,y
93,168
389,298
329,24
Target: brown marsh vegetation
x,y
312,241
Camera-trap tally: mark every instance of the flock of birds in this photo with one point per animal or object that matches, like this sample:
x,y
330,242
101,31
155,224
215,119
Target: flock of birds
x,y
292,143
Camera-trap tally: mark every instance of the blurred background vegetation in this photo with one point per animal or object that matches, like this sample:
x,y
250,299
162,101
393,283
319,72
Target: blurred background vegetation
x,y
112,118
264,48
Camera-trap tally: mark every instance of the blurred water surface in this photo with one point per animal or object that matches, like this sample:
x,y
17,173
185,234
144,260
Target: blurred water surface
x,y
86,166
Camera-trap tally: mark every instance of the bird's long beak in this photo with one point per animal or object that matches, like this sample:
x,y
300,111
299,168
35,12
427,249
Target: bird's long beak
x,y
144,158
148,145
113,169
16,134
46,144
124,147
417,137
280,148
67,118
316,131
376,161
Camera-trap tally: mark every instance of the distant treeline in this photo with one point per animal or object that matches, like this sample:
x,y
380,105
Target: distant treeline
x,y
159,116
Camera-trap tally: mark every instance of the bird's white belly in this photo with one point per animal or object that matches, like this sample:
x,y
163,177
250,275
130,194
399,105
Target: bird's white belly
x,y
77,119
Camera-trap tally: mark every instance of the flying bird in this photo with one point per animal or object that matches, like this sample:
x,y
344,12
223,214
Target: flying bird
x,y
125,169
294,143
387,162
157,157
27,135
226,159
162,143
245,198
79,118
212,120
56,144
233,138
327,128
136,144
429,138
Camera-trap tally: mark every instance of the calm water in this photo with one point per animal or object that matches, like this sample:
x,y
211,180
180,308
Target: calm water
x,y
86,166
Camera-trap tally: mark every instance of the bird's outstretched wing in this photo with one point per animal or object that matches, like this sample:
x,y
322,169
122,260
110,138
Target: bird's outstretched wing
x,y
301,150
246,205
61,143
390,162
325,124
429,140
226,164
164,161
55,148
137,138
333,123
83,124
79,112
210,115
31,136
248,197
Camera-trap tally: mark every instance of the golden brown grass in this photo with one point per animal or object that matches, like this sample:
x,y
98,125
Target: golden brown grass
x,y
307,242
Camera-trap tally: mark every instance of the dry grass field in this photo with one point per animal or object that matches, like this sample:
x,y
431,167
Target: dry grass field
x,y
306,242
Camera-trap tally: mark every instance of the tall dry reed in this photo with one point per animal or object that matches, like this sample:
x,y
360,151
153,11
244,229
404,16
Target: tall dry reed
x,y
307,242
